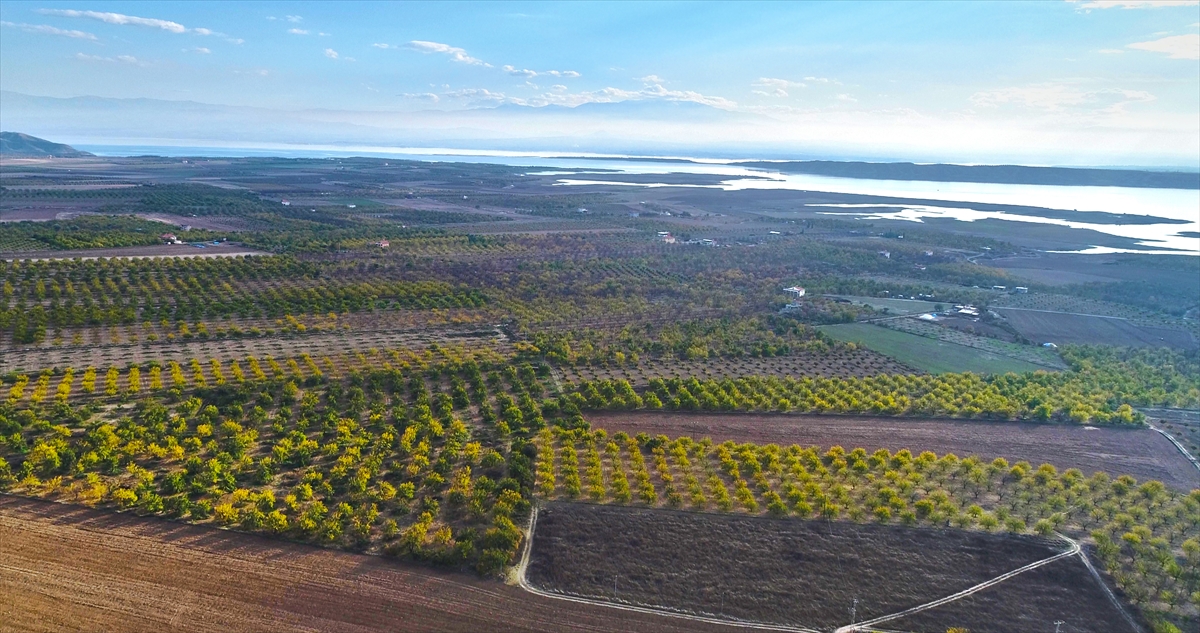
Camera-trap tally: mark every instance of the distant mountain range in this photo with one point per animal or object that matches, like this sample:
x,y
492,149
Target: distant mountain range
x,y
17,145
653,127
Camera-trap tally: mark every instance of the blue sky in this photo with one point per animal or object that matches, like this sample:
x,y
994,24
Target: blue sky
x,y
1038,75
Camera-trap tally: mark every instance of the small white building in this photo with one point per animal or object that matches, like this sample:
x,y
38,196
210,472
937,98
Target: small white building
x,y
796,291
1021,290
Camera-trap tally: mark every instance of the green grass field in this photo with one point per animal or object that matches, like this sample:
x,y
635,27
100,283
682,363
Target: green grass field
x,y
925,353
896,306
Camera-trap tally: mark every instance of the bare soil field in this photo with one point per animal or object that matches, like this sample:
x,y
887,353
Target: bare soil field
x,y
158,250
68,568
1068,268
1141,453
1182,424
1061,591
798,573
1060,328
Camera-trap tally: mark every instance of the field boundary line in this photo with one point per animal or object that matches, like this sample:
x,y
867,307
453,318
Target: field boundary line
x,y
1178,445
524,583
866,624
1108,592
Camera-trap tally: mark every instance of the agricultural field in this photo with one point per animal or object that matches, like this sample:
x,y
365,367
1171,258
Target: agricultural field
x,y
1026,353
889,306
330,341
1064,328
814,575
841,363
1182,424
1134,451
361,420
72,568
927,354
900,489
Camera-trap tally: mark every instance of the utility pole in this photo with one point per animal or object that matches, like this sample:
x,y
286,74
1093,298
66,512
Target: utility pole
x,y
1058,625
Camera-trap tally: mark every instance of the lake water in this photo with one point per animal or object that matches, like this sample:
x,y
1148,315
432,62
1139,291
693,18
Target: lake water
x,y
1174,204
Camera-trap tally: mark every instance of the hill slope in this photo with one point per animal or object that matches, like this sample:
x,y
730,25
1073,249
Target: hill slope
x,y
17,145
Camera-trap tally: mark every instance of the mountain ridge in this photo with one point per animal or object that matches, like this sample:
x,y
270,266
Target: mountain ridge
x,y
18,145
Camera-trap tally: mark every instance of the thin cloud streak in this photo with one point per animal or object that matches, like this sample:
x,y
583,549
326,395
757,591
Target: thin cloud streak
x,y
46,29
1174,47
133,20
118,18
456,54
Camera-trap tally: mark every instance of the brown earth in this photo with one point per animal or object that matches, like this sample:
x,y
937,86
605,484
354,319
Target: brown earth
x,y
67,568
798,573
1063,590
1061,328
1139,452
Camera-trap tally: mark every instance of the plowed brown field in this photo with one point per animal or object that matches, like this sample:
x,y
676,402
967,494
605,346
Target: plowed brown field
x,y
67,568
1117,451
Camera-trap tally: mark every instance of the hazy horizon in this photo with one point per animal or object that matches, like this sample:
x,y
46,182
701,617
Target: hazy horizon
x,y
1112,84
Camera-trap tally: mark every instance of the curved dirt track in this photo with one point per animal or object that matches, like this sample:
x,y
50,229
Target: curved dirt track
x,y
1140,452
69,568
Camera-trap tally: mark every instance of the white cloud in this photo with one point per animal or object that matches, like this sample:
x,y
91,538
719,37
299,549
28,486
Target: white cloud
x,y
383,46
1058,97
847,98
525,72
652,79
1110,51
422,96
1133,4
1175,47
118,18
519,72
293,18
558,95
455,53
772,87
201,50
46,29
297,31
332,54
133,20
119,59
261,72
476,94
